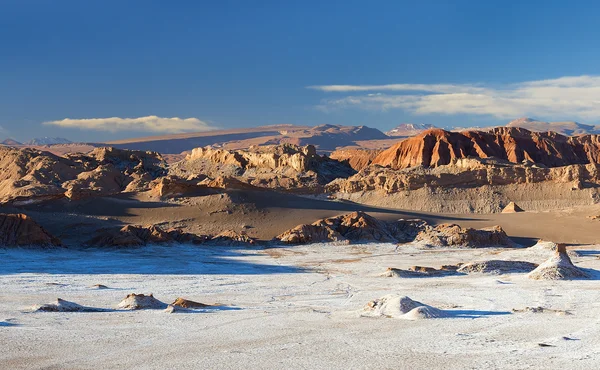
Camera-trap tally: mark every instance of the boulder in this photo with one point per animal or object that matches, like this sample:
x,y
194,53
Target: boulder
x,y
452,235
19,230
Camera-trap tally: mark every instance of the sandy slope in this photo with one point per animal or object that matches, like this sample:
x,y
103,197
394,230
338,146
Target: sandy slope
x,y
266,214
289,308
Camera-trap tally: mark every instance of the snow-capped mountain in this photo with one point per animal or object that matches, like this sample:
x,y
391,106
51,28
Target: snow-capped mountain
x,y
409,129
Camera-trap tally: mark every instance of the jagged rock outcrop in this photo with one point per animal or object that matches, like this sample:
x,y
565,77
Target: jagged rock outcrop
x,y
283,167
437,147
135,236
353,227
19,230
451,235
356,158
558,267
463,173
30,176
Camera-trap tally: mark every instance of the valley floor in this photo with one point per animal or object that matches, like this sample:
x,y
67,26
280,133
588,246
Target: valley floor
x,y
291,307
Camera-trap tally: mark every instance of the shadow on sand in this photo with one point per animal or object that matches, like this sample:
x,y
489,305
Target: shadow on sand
x,y
474,314
156,260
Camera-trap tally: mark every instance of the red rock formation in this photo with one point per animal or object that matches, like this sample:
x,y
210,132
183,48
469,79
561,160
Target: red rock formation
x,y
19,230
356,158
439,147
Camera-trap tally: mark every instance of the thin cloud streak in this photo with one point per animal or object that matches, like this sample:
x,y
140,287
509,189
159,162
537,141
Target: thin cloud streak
x,y
147,124
573,97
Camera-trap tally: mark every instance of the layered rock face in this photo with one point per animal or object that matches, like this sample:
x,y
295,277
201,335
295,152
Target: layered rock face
x,y
18,230
281,167
464,172
438,147
29,176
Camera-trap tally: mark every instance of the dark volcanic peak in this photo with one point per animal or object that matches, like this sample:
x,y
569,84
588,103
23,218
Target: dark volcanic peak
x,y
10,142
48,141
437,147
409,129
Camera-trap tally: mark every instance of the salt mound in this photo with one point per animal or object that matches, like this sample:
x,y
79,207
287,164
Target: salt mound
x,y
545,246
64,306
397,306
497,267
558,267
140,302
99,286
512,207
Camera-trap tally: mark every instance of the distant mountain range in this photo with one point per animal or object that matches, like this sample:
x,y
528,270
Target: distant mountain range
x,y
325,137
48,141
568,128
409,129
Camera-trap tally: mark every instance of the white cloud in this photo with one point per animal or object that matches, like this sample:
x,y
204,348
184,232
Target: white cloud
x,y
148,123
576,97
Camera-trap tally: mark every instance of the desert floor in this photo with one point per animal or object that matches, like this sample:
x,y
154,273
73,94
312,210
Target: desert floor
x,y
291,307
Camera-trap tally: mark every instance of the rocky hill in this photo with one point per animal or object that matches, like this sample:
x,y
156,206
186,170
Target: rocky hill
x,y
437,147
29,176
282,167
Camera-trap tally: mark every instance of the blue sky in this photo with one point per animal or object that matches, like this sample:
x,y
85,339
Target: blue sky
x,y
98,69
